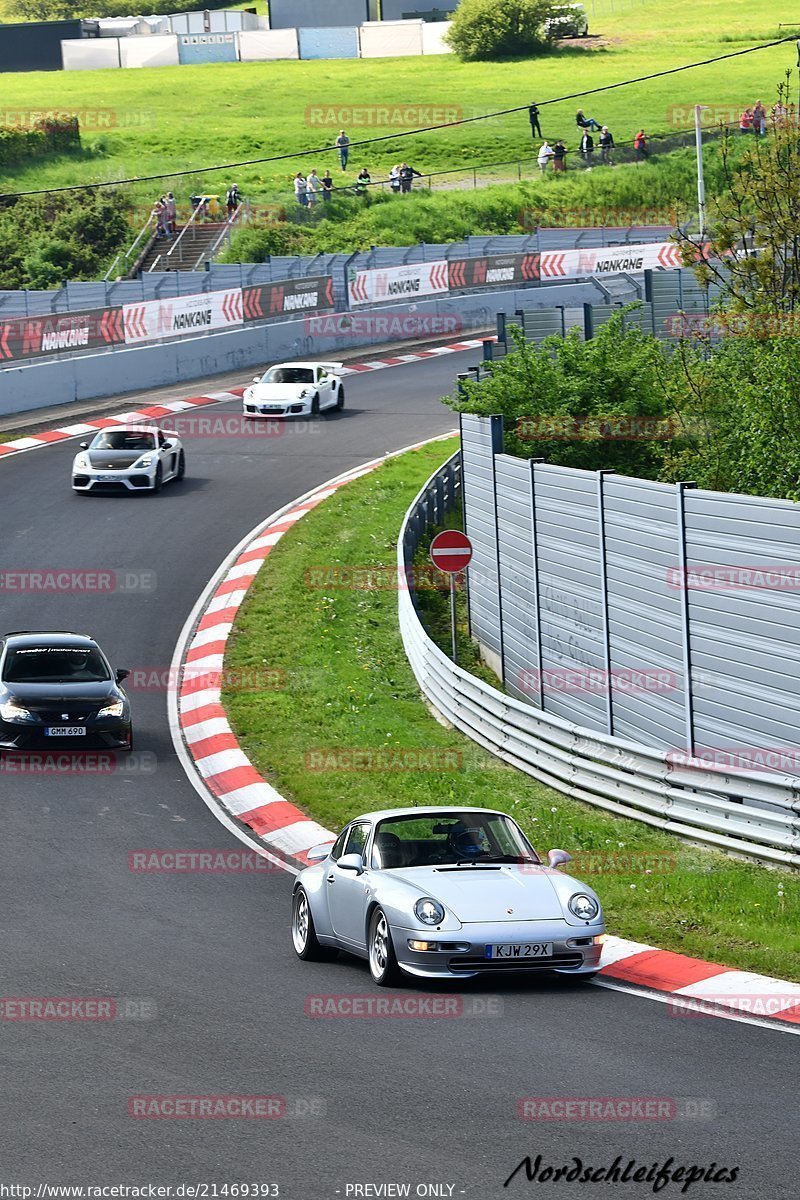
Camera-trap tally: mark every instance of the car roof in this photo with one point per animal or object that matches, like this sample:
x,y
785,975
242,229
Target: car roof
x,y
132,429
425,811
55,637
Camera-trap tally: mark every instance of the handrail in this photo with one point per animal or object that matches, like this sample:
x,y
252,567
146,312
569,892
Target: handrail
x,y
746,812
154,263
126,256
179,238
225,232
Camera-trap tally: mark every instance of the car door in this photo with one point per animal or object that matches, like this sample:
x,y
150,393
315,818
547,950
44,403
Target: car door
x,y
168,454
347,892
325,383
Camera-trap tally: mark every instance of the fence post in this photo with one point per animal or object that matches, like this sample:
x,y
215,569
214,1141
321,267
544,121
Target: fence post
x,y
601,532
536,598
588,322
501,330
686,641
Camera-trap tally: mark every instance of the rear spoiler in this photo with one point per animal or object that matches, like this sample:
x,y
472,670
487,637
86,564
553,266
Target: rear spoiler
x,y
331,366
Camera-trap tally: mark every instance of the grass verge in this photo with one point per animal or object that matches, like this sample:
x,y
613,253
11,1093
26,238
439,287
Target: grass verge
x,y
316,613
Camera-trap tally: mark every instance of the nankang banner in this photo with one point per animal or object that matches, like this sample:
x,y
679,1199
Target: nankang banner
x,y
398,283
55,333
492,270
180,316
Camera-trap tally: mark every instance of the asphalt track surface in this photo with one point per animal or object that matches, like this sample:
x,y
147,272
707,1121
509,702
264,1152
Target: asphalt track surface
x,y
370,1101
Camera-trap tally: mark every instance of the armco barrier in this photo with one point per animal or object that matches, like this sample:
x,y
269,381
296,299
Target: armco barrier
x,y
90,376
749,812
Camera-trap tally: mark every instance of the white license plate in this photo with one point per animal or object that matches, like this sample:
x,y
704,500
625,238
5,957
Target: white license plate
x,y
66,731
107,478
522,950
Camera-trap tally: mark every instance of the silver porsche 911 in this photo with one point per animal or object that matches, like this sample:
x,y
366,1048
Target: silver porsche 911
x,y
444,893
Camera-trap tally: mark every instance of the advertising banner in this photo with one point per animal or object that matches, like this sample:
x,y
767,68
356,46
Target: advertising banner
x,y
207,47
492,270
610,260
180,316
32,337
398,283
313,293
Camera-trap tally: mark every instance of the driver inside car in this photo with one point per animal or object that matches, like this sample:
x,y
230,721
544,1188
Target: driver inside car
x,y
467,841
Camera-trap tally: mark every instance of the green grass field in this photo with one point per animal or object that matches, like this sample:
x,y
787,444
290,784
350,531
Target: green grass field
x,y
348,685
188,117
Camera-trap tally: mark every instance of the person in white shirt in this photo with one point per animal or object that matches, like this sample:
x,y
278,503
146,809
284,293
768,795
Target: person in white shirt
x,y
313,186
300,189
544,156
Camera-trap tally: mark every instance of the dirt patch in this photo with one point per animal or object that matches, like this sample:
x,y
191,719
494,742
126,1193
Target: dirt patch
x,y
594,41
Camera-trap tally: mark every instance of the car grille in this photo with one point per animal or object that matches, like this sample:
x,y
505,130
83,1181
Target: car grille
x,y
497,966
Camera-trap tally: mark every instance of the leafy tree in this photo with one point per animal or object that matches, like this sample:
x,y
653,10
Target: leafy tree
x,y
753,249
490,29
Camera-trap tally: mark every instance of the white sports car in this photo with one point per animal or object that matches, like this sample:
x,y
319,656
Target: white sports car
x,y
133,458
300,389
444,893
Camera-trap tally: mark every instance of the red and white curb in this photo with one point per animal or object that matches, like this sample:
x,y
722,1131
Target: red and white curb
x,y
159,411
218,766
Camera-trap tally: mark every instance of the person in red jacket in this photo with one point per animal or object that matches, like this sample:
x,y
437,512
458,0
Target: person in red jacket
x,y
640,146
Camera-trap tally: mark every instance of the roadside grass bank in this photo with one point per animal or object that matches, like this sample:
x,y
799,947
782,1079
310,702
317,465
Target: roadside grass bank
x,y
322,613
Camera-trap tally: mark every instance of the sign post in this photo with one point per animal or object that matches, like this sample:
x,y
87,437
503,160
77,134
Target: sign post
x,y
451,552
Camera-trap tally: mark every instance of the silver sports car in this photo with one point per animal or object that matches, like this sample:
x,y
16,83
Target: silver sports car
x,y
444,893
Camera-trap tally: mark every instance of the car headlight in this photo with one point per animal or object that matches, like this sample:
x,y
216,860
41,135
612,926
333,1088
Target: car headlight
x,y
146,461
430,912
115,709
82,463
584,907
11,711
306,392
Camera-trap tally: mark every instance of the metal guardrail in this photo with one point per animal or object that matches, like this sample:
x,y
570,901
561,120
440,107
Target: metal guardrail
x,y
753,813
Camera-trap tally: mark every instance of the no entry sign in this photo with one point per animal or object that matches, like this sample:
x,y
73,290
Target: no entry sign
x,y
451,551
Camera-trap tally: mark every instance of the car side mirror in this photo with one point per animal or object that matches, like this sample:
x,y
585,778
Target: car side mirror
x,y
351,862
84,445
557,858
256,379
319,853
121,674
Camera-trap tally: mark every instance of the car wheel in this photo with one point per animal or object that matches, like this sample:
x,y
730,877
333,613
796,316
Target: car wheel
x,y
382,959
181,466
158,482
315,406
304,936
340,399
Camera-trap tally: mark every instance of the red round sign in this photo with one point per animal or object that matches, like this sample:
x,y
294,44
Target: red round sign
x,y
451,551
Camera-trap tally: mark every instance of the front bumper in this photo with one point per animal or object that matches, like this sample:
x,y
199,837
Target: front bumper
x,y
112,733
128,480
275,410
463,952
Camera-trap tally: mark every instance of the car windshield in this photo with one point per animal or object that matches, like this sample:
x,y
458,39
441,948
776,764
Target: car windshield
x,y
124,439
289,375
450,838
55,664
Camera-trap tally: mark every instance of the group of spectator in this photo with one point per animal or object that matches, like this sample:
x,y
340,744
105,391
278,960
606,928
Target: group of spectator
x,y
165,212
557,153
308,188
754,120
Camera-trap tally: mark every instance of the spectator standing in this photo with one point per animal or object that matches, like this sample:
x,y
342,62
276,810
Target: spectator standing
x,y
533,116
343,146
158,213
233,199
606,141
544,155
585,122
327,185
313,187
407,174
587,147
300,189
759,119
363,181
779,112
640,146
394,178
559,157
172,214
746,121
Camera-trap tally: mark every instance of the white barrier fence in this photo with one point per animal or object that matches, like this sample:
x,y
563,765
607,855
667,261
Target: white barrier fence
x,y
754,813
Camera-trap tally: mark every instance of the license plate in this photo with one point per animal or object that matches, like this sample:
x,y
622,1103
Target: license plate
x,y
107,478
523,950
66,731
271,408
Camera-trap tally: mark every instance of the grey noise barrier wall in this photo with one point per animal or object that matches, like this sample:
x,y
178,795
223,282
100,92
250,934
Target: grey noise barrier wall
x,y
114,372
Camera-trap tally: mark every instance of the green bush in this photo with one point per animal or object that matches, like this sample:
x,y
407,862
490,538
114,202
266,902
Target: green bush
x,y
488,29
45,137
45,241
